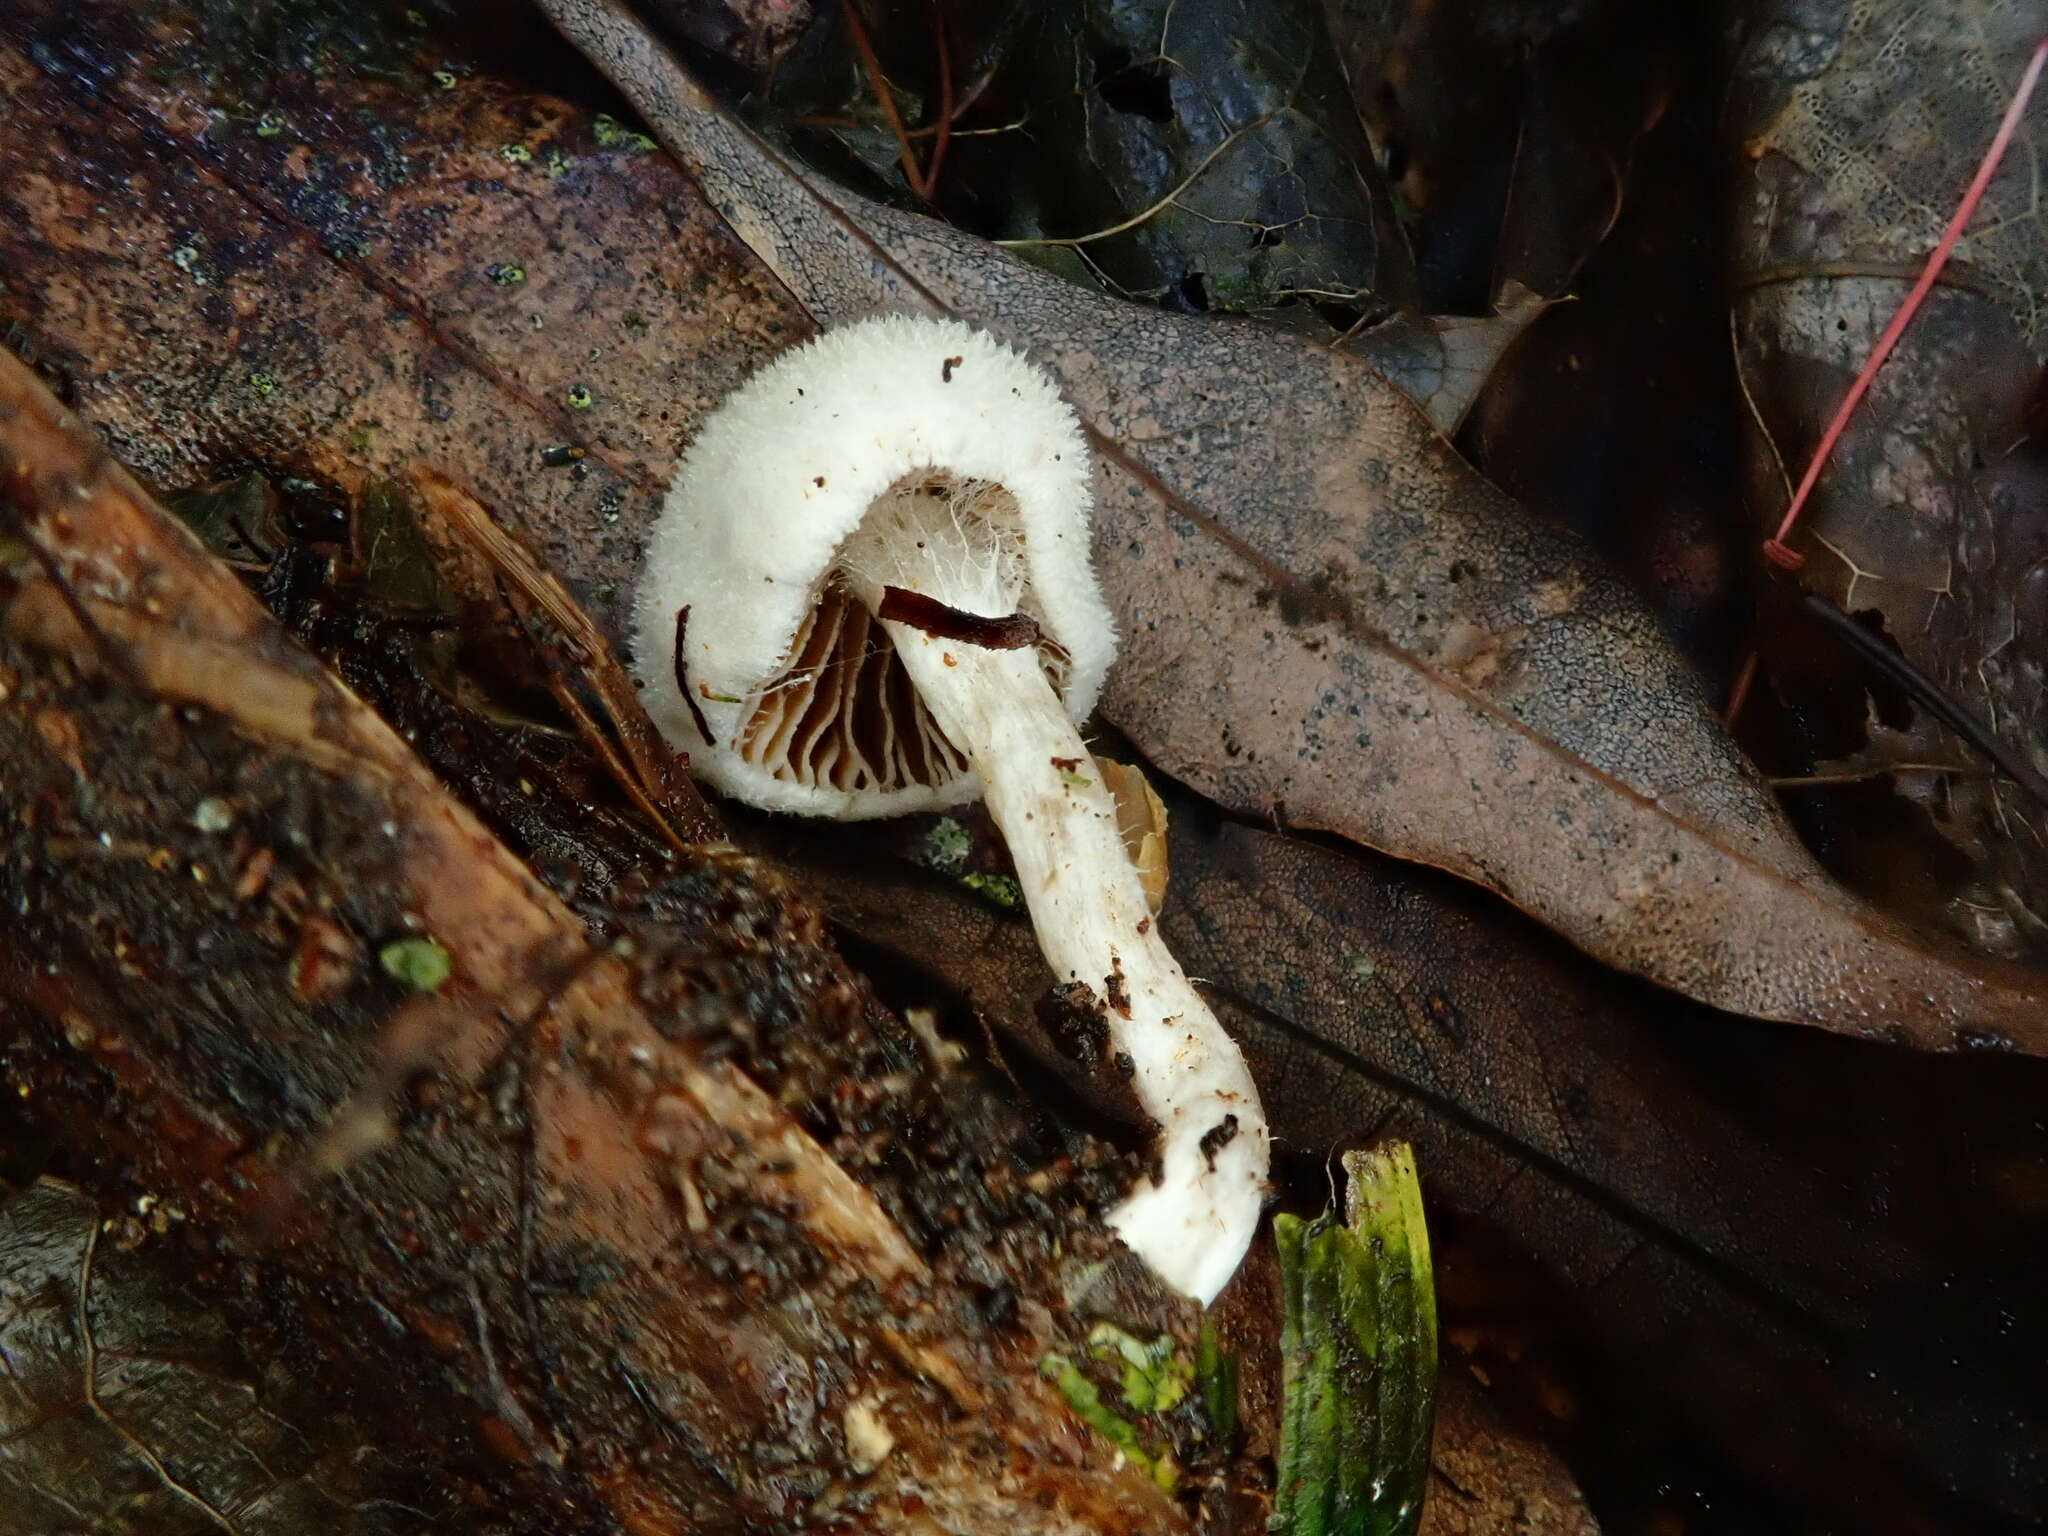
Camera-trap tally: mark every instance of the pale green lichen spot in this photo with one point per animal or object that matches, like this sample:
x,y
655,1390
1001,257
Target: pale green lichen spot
x,y
1000,889
421,964
613,134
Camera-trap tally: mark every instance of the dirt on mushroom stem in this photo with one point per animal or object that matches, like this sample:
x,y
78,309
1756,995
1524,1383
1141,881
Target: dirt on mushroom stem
x,y
1194,1219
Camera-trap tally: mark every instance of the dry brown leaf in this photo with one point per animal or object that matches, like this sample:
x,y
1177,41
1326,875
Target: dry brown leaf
x,y
1490,1478
1333,622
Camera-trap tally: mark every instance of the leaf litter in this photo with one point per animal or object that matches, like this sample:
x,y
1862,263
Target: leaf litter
x,y
1429,664
1858,133
653,187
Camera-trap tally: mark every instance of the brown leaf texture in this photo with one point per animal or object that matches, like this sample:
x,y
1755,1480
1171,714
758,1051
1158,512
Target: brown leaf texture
x,y
360,273
133,1406
1858,130
506,1201
1741,1247
1332,621
1489,1477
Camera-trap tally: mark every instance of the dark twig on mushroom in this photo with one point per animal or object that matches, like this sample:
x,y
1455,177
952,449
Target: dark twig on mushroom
x,y
941,621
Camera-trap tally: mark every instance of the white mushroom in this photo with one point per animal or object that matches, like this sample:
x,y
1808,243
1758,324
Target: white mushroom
x,y
871,592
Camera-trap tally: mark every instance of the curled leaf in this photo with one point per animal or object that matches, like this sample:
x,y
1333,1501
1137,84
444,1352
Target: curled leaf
x,y
1141,818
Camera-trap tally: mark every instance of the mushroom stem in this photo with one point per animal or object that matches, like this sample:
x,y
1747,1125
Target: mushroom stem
x,y
1193,1218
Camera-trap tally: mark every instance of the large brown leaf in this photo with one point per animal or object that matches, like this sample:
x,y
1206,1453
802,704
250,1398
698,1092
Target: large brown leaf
x,y
1331,620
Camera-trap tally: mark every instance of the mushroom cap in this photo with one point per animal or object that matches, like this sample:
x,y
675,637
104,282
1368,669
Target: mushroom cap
x,y
775,482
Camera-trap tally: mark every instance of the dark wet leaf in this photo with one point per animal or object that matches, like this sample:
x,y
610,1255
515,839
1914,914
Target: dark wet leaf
x,y
237,519
1218,136
1508,126
321,297
316,35
752,35
1617,414
1332,621
1199,155
398,565
828,97
136,1407
1857,131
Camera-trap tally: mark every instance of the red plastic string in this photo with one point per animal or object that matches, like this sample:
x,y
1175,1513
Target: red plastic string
x,y
1776,549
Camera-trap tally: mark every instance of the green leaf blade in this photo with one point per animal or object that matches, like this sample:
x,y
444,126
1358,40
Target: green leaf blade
x,y
1358,1357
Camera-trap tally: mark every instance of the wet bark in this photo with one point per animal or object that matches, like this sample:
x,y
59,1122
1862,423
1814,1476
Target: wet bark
x,y
503,1179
